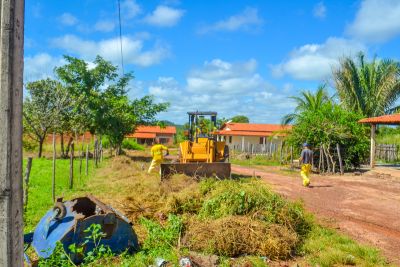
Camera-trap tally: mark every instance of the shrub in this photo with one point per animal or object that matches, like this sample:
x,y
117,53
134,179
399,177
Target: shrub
x,y
105,141
331,125
28,144
131,145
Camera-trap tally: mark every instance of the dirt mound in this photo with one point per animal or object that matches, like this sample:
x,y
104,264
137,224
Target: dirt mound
x,y
239,235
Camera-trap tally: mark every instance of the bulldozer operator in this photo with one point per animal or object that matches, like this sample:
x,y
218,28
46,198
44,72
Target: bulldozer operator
x,y
158,156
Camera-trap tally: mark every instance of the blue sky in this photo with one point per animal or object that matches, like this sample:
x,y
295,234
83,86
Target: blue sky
x,y
233,57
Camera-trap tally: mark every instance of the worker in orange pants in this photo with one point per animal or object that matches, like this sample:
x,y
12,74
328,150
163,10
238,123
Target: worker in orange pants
x,y
158,156
306,161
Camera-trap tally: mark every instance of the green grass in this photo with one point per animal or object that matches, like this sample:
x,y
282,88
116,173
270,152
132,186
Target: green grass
x,y
256,160
321,246
388,139
326,247
40,186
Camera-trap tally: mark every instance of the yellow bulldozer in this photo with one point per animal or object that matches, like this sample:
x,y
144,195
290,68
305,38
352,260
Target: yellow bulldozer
x,y
202,154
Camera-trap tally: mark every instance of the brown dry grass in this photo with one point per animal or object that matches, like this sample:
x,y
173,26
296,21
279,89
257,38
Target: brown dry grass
x,y
239,235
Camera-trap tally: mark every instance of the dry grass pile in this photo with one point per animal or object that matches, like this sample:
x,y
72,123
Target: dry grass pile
x,y
227,217
239,235
189,201
251,197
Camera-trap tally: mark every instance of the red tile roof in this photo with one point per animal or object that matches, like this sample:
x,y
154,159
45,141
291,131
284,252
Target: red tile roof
x,y
156,129
253,129
142,135
151,131
385,119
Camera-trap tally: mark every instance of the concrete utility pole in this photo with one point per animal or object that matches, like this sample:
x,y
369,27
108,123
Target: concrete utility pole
x,y
11,78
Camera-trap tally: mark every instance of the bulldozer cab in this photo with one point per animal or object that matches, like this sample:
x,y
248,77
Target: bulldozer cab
x,y
202,155
202,126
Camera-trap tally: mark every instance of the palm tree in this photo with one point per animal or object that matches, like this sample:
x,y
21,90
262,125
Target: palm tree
x,y
371,88
307,101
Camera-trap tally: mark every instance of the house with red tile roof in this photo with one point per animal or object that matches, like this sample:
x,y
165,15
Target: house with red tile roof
x,y
147,134
246,136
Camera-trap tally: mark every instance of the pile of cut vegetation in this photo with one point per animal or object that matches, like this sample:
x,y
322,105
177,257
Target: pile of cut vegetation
x,y
228,218
238,217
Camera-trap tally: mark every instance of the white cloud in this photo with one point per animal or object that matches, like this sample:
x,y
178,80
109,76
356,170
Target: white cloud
x,y
319,10
315,61
40,66
104,26
164,16
225,77
248,19
133,49
376,21
230,88
68,19
130,9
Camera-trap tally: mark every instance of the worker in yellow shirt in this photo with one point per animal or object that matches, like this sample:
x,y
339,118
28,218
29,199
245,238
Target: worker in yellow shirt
x,y
158,156
306,161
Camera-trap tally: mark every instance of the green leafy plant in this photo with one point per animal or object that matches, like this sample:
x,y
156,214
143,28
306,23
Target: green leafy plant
x,y
162,238
131,145
60,257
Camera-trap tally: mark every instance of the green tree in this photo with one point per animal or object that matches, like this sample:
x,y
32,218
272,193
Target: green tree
x,y
240,119
331,125
86,85
370,88
101,99
44,108
308,101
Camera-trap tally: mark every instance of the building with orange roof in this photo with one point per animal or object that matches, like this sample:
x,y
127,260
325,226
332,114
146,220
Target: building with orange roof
x,y
147,134
253,136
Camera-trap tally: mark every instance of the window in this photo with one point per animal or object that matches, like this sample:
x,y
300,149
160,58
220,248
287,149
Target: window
x,y
261,140
230,139
164,140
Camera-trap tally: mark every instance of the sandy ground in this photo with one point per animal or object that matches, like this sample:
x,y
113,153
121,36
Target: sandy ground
x,y
366,207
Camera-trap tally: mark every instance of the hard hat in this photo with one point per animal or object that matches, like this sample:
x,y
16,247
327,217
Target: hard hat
x,y
306,145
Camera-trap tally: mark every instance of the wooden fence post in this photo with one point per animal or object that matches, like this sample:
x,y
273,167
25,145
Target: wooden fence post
x,y
11,90
320,159
87,159
71,167
53,180
291,156
95,152
27,173
101,150
340,159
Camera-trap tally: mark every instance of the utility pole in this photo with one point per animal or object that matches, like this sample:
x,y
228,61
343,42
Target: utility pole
x,y
11,78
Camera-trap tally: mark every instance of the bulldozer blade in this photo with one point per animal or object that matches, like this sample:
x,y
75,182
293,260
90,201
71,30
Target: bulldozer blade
x,y
220,170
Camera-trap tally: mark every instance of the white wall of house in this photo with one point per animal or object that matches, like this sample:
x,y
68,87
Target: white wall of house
x,y
246,142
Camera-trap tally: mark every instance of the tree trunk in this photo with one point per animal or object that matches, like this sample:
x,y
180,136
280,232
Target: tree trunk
x,y
62,145
41,141
68,146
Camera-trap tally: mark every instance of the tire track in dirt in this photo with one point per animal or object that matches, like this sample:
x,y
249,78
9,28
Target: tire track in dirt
x,y
365,207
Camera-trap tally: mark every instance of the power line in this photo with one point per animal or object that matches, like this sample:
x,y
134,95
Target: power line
x,y
120,36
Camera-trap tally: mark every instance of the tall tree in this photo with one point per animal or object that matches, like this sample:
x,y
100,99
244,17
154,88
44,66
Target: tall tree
x,y
43,109
308,101
240,119
371,88
86,85
101,99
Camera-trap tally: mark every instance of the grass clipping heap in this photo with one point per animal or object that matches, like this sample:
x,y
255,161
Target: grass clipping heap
x,y
239,235
228,218
238,217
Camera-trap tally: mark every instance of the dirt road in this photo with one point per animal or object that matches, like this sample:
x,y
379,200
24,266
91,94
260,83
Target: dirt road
x,y
365,207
